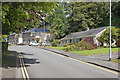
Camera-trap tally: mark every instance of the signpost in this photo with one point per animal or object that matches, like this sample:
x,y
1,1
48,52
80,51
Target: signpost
x,y
5,39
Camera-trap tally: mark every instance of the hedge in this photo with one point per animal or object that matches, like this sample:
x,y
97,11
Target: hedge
x,y
4,47
82,45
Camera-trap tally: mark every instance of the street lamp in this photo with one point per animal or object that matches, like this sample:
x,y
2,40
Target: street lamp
x,y
44,27
110,34
44,31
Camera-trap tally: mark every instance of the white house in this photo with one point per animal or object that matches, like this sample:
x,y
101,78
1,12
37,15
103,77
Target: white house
x,y
88,36
31,35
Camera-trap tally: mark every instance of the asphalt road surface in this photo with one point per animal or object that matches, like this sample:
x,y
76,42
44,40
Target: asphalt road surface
x,y
40,63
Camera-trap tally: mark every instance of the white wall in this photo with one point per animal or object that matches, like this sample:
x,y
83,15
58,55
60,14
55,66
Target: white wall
x,y
20,40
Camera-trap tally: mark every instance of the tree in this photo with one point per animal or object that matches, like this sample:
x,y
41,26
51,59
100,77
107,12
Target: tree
x,y
93,15
105,36
87,14
58,22
17,15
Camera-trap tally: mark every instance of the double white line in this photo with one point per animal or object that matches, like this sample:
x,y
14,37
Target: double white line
x,y
23,68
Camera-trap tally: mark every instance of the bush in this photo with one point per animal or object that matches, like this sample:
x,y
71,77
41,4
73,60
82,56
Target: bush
x,y
70,48
4,47
55,43
82,45
3,37
118,43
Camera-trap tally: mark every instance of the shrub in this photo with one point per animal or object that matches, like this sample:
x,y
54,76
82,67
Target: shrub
x,y
82,45
3,37
65,45
70,48
118,43
4,47
37,39
55,43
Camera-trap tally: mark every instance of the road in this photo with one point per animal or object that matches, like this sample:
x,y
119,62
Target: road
x,y
40,63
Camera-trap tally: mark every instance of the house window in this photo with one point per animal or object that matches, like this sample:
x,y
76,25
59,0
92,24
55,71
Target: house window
x,y
63,42
80,39
25,42
33,34
74,40
39,34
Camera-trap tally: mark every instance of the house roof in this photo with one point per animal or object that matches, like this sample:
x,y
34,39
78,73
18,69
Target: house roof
x,y
37,30
12,33
90,33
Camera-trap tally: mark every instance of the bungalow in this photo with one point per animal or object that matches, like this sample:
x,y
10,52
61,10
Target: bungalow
x,y
88,36
31,35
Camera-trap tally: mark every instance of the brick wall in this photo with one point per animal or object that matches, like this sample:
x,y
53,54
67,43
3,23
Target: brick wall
x,y
91,41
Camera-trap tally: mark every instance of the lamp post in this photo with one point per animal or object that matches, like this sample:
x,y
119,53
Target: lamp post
x,y
44,31
110,34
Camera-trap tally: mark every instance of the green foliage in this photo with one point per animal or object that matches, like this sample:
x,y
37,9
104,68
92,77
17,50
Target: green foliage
x,y
105,35
70,48
15,16
65,45
37,39
3,37
118,43
58,22
82,45
4,47
92,15
86,14
55,43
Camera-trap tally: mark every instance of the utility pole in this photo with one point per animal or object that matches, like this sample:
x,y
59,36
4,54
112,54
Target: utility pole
x,y
110,34
44,31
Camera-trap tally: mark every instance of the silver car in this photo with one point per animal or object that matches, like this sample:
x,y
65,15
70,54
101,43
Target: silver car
x,y
33,44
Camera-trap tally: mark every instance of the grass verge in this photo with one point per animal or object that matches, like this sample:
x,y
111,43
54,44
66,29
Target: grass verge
x,y
116,60
90,52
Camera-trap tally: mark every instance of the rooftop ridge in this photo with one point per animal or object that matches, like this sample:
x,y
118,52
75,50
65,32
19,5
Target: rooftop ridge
x,y
90,30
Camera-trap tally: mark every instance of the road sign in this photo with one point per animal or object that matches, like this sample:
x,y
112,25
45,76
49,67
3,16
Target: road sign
x,y
6,39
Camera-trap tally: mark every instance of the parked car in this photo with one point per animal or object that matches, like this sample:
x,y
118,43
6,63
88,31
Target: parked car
x,y
33,44
46,44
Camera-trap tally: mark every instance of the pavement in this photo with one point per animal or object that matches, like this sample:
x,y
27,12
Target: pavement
x,y
40,63
10,66
100,60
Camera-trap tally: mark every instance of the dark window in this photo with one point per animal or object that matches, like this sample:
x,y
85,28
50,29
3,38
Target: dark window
x,y
70,40
33,34
39,34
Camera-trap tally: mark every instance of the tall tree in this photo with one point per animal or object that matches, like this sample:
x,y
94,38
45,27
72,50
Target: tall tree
x,y
87,14
17,15
105,38
58,22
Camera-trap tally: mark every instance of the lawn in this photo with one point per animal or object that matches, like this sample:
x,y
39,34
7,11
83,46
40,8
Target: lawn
x,y
58,48
90,52
116,60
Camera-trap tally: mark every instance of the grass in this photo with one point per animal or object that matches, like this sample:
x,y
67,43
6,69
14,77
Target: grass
x,y
90,52
59,48
116,60
96,51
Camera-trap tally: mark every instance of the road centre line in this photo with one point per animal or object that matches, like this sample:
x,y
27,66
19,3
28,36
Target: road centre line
x,y
114,72
23,68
